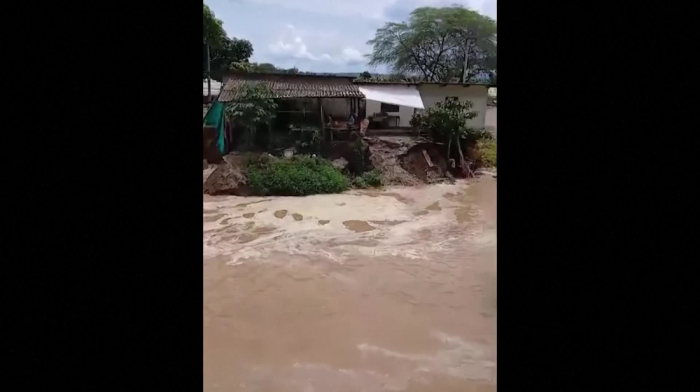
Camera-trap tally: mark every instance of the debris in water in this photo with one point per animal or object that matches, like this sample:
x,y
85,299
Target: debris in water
x,y
265,229
213,218
280,214
434,207
247,237
388,222
358,226
297,217
464,214
323,222
249,215
395,195
455,197
251,202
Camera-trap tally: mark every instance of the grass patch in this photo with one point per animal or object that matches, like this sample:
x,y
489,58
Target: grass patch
x,y
370,179
487,152
297,176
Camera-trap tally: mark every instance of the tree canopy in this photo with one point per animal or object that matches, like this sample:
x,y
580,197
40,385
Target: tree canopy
x,y
223,51
263,68
213,28
438,44
254,108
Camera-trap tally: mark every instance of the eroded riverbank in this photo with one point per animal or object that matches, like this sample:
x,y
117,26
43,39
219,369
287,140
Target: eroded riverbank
x,y
362,291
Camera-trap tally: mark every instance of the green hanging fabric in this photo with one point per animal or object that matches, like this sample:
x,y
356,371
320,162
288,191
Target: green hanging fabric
x,y
215,118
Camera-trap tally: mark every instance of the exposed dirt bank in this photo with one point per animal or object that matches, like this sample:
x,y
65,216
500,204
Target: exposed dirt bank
x,y
402,160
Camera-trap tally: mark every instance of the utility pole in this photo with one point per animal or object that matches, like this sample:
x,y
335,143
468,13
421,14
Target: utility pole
x,y
208,75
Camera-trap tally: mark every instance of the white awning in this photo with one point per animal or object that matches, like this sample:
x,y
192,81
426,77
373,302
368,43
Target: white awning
x,y
395,94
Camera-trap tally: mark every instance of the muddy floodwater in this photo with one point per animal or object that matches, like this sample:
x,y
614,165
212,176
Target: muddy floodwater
x,y
391,290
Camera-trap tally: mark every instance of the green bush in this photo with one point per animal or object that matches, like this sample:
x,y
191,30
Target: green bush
x,y
487,152
359,162
482,134
368,179
447,120
297,176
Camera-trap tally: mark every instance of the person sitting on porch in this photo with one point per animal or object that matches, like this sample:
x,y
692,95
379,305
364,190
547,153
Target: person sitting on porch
x,y
351,119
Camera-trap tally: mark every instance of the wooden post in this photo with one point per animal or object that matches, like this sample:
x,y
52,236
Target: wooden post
x,y
208,75
323,122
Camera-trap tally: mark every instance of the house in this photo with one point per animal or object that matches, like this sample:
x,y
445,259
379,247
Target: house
x,y
304,101
430,93
303,94
311,99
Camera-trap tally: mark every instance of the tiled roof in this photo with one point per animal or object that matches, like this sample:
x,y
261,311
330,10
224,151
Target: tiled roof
x,y
293,86
409,82
386,80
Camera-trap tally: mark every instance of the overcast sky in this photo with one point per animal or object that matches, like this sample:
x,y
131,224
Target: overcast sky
x,y
319,35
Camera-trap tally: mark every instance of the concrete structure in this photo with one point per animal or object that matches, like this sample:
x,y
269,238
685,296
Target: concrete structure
x,y
405,113
477,94
215,88
340,96
432,93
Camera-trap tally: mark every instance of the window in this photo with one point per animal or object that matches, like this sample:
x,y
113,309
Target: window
x,y
386,108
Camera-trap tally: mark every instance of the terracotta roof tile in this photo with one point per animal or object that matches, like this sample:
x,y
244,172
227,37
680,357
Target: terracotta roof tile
x,y
293,86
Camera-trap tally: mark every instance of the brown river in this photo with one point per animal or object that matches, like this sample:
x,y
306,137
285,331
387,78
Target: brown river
x,y
391,290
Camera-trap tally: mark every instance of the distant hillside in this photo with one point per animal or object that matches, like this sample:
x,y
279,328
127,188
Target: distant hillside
x,y
348,74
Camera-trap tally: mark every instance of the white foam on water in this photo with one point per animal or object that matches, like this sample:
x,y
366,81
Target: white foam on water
x,y
398,231
459,359
307,237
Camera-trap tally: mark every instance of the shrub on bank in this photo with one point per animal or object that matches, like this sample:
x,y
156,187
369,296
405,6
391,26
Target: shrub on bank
x,y
368,180
297,176
487,152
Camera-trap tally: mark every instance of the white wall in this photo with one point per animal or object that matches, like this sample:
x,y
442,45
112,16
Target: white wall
x,y
404,112
433,93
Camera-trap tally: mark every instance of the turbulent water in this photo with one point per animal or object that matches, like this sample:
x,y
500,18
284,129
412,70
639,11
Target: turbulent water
x,y
362,291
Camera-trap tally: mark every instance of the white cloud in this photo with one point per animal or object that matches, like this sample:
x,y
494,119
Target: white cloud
x,y
319,35
375,9
352,55
291,43
365,8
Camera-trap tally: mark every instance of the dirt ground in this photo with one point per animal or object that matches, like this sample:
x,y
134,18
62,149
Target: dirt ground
x,y
399,158
385,153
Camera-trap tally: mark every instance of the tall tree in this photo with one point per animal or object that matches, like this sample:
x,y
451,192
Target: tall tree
x,y
222,50
213,28
232,51
262,68
438,44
